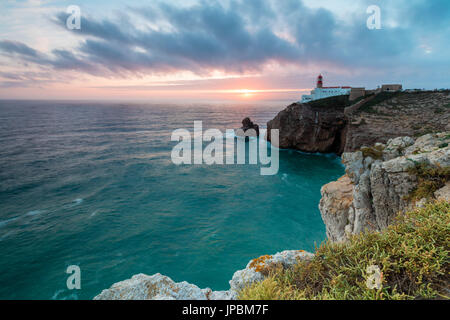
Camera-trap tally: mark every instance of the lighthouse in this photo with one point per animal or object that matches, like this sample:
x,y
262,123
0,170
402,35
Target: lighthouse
x,y
321,92
319,81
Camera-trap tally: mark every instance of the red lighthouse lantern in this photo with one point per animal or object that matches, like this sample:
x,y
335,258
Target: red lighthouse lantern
x,y
319,81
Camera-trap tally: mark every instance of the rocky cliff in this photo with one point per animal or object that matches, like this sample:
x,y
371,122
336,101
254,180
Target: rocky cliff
x,y
334,125
383,180
159,287
312,127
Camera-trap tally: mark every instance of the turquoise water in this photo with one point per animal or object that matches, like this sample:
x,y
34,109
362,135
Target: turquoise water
x,y
92,184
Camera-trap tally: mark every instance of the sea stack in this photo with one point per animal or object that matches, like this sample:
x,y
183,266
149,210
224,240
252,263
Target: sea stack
x,y
248,124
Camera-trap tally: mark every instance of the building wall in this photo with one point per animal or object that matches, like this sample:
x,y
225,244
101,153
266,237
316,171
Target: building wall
x,y
355,93
321,93
391,87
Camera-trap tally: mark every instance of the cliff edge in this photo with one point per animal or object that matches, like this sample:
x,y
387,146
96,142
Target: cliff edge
x,y
159,287
383,180
318,126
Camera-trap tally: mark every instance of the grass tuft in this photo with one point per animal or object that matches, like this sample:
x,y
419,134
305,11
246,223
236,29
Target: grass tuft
x,y
429,180
412,254
379,98
375,152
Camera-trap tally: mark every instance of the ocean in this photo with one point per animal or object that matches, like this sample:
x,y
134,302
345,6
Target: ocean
x,y
92,184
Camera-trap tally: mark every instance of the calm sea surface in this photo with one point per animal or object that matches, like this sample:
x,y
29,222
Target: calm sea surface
x,y
92,184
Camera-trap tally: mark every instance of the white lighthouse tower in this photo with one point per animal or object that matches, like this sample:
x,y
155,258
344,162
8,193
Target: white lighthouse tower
x,y
321,92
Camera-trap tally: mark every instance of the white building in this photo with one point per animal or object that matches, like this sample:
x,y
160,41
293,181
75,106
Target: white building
x,y
321,92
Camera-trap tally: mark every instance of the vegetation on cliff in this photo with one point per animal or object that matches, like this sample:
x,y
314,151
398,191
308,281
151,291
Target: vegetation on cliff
x,y
412,254
379,98
429,178
392,114
375,152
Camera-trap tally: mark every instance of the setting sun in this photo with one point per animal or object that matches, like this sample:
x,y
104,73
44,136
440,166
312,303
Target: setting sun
x,y
246,93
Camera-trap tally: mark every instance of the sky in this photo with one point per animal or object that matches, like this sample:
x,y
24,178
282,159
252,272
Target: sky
x,y
218,49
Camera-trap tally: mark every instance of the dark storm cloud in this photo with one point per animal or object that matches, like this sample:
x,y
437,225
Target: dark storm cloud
x,y
238,37
15,47
202,36
22,79
59,59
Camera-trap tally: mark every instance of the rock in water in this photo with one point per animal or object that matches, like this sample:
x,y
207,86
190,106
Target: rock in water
x,y
248,124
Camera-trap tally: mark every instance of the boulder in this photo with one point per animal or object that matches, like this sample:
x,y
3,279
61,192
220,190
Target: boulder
x,y
155,287
443,194
396,147
253,272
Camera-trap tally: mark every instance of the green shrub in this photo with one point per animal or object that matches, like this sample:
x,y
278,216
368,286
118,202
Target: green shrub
x,y
375,152
424,132
429,179
412,254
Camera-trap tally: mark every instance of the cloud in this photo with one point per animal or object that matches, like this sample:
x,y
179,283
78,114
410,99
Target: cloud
x,y
204,37
238,36
15,47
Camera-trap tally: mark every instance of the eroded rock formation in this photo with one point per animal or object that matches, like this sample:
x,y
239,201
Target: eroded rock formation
x,y
247,125
378,182
311,129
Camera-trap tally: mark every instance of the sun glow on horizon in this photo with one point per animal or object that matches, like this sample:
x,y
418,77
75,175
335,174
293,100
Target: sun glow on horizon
x,y
246,93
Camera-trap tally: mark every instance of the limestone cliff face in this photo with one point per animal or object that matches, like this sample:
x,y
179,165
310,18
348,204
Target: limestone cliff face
x,y
310,128
337,208
374,191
